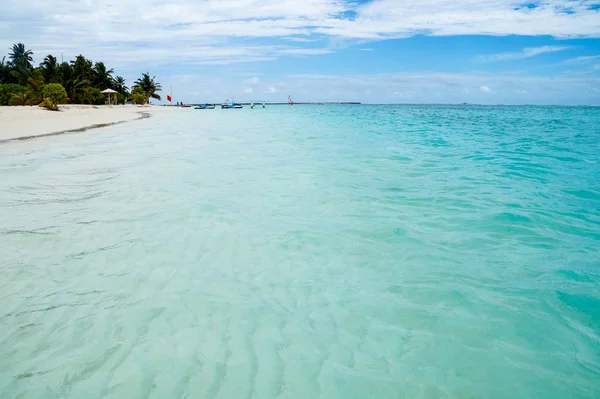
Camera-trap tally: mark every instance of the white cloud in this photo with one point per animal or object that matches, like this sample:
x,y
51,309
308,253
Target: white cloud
x,y
305,51
272,89
365,49
521,92
400,18
300,39
412,87
252,81
484,89
248,90
581,59
145,33
527,52
179,35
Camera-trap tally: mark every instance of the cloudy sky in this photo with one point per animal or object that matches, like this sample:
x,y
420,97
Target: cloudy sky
x,y
376,51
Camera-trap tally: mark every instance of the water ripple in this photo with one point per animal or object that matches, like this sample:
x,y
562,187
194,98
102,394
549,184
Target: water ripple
x,y
334,251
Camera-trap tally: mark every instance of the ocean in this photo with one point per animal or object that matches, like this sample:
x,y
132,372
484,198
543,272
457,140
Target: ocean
x,y
335,251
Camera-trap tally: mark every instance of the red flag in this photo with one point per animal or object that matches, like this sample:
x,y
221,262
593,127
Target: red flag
x,y
168,97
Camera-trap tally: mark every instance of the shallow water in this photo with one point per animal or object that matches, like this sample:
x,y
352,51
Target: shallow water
x,y
305,252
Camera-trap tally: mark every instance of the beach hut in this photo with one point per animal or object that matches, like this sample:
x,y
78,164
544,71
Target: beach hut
x,y
109,92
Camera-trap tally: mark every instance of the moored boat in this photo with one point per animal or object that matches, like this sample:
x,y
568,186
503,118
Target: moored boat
x,y
231,106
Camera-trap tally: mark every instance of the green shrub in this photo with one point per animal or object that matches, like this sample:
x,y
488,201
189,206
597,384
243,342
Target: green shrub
x,y
97,97
139,96
19,99
35,85
54,94
8,90
47,103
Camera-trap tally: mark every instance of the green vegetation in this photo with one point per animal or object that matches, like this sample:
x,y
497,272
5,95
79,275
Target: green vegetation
x,y
148,86
8,91
21,83
54,94
138,95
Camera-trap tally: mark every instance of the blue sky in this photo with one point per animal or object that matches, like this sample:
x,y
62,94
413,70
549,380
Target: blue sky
x,y
374,51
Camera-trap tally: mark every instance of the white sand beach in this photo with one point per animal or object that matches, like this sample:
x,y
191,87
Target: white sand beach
x,y
29,122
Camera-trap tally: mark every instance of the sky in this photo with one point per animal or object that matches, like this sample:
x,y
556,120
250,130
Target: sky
x,y
373,51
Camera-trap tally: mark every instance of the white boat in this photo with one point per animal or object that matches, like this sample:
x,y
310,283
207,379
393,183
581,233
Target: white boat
x,y
229,104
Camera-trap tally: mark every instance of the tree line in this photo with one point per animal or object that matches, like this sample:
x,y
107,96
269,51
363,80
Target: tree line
x,y
79,81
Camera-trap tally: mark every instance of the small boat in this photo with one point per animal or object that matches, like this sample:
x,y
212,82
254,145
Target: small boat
x,y
290,101
231,106
205,106
264,106
186,106
252,105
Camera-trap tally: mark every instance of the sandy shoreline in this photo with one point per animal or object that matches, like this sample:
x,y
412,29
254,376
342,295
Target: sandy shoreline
x,y
17,123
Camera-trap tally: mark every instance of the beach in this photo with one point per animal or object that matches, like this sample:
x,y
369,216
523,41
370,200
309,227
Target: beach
x,y
32,121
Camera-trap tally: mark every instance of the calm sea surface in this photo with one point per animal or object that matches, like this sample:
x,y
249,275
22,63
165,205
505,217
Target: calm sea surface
x,y
305,252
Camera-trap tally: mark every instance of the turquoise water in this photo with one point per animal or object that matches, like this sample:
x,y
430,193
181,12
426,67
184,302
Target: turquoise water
x,y
305,252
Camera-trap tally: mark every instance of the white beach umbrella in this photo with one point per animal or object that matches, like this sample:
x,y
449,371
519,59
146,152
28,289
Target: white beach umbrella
x,y
109,92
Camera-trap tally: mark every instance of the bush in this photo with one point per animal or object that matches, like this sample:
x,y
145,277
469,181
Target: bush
x,y
46,103
139,96
19,99
120,98
35,84
33,98
8,90
97,97
53,94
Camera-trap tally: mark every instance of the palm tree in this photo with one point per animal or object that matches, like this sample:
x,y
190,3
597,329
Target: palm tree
x,y
35,85
148,86
49,68
120,85
102,78
21,57
5,69
82,68
19,99
64,76
21,73
81,91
